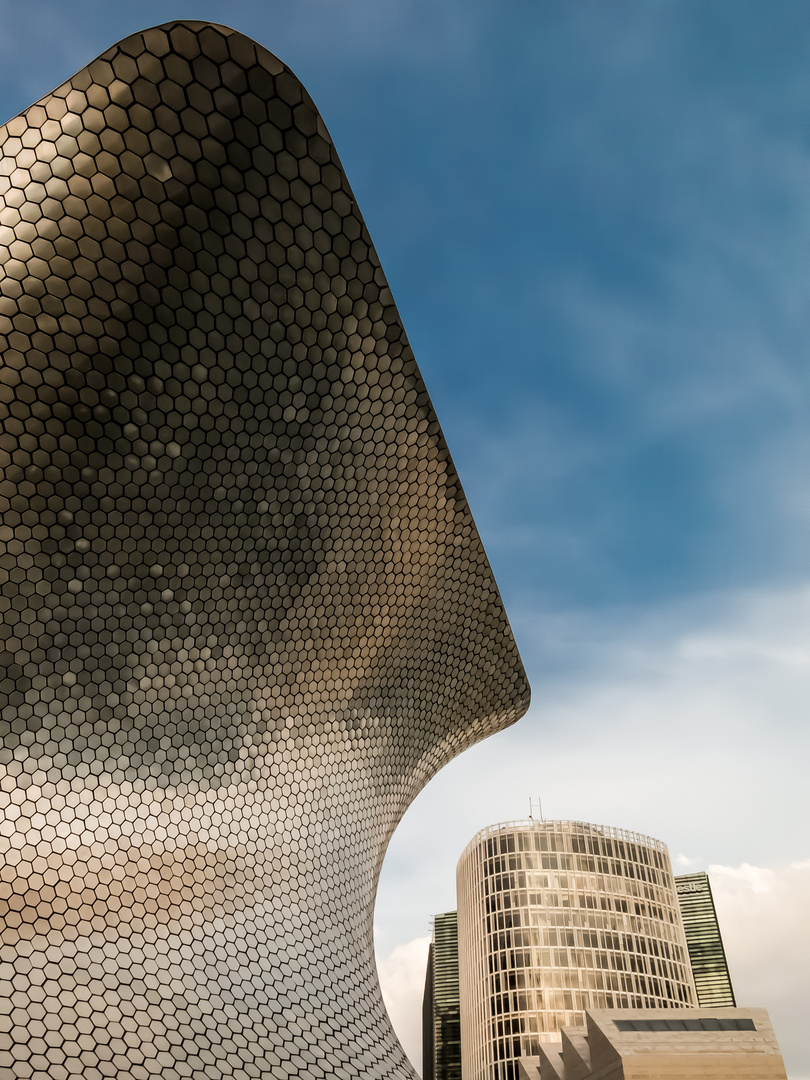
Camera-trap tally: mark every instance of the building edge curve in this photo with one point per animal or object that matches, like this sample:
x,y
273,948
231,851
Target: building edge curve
x,y
261,616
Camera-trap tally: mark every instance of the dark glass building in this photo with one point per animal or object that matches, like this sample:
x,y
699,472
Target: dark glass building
x,y
441,1026
706,953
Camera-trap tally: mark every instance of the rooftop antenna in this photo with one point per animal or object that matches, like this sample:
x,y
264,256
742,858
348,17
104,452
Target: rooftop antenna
x,y
539,809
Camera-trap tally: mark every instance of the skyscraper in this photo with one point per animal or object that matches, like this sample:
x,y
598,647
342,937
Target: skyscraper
x,y
704,941
556,917
428,1070
441,1038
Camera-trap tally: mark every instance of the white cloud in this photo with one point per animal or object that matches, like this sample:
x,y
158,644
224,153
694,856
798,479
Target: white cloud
x,y
683,863
762,913
402,978
688,724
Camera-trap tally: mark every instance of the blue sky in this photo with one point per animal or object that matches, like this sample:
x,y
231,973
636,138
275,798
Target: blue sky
x,y
595,222
594,219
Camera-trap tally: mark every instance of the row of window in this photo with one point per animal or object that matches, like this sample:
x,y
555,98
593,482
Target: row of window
x,y
576,960
574,937
698,1023
499,867
511,891
517,941
536,840
659,989
661,929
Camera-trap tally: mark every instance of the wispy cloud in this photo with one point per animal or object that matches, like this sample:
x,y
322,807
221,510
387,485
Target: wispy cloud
x,y
402,978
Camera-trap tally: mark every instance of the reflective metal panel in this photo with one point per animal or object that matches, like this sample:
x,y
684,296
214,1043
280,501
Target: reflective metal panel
x,y
245,611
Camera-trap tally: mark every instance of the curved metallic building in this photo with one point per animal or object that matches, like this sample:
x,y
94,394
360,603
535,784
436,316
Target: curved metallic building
x,y
556,917
245,610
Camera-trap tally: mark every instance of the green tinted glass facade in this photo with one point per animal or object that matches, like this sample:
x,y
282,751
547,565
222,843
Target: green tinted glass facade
x,y
706,953
441,1035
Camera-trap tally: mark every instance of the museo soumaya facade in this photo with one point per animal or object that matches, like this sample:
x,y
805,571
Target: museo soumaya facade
x,y
246,614
555,918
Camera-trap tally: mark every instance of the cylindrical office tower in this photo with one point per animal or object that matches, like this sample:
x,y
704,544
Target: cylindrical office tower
x,y
555,917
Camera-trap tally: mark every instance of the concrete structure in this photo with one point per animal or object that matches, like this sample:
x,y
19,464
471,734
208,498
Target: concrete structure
x,y
245,612
556,917
704,941
441,1036
694,1044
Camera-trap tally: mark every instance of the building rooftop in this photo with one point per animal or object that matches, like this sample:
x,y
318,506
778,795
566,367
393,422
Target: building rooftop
x,y
684,1044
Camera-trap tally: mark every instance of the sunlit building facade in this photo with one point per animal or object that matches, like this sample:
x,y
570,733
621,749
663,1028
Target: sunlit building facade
x,y
556,917
693,1044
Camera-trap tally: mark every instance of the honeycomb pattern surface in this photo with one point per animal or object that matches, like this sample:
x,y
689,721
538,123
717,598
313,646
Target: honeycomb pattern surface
x,y
245,612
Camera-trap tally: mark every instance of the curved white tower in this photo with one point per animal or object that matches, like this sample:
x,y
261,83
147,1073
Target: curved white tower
x,y
556,917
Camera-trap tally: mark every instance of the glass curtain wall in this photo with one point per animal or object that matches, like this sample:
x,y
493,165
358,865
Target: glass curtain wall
x,y
556,917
